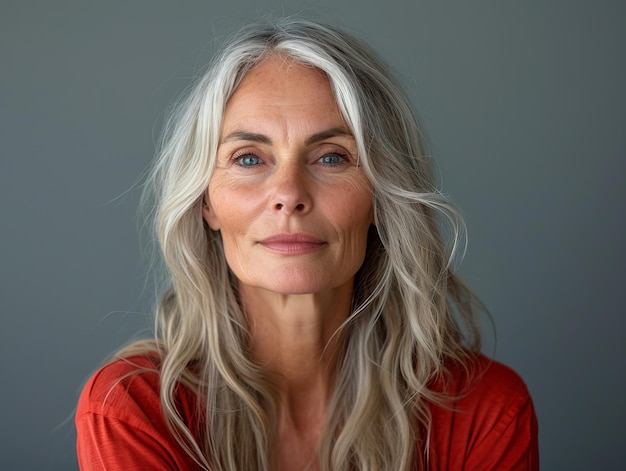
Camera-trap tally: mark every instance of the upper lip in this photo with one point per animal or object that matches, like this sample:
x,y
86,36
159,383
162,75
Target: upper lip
x,y
295,238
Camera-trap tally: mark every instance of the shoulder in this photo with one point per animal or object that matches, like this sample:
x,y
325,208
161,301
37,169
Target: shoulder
x,y
488,418
129,389
120,384
483,378
120,423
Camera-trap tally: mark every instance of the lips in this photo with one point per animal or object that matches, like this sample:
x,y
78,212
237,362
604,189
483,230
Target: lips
x,y
292,244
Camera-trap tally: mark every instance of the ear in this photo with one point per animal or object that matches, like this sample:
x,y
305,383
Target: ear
x,y
209,215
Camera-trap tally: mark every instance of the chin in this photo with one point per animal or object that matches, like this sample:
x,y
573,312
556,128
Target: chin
x,y
295,288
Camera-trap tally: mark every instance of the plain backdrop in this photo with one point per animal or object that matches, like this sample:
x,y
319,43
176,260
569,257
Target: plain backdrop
x,y
524,104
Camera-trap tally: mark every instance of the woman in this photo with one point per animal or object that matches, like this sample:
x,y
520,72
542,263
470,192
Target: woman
x,y
313,320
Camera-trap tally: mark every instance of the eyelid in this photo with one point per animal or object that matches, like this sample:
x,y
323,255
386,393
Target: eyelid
x,y
336,150
245,151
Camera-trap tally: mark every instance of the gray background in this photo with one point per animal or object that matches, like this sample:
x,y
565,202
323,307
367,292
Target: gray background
x,y
525,106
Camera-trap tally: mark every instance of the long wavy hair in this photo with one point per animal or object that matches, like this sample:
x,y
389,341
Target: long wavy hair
x,y
410,316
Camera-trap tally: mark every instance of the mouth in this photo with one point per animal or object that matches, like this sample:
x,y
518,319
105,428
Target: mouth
x,y
292,244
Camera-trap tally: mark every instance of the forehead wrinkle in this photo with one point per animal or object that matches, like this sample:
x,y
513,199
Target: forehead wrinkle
x,y
246,136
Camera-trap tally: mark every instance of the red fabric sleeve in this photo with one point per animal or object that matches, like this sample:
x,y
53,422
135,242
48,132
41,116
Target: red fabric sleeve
x,y
110,444
492,425
120,425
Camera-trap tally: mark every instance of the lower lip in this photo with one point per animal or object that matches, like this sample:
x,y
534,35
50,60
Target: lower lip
x,y
293,248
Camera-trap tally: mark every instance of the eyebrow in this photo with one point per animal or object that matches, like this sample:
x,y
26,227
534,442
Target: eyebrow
x,y
263,139
246,136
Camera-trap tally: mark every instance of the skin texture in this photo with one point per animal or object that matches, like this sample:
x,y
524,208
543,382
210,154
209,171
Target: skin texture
x,y
293,208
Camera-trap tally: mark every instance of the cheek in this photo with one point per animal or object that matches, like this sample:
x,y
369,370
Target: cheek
x,y
355,215
233,241
223,207
357,206
232,210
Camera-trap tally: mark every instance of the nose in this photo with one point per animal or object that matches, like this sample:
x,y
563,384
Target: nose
x,y
291,193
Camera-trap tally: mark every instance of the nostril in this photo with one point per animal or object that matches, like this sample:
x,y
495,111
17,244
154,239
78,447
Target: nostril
x,y
299,207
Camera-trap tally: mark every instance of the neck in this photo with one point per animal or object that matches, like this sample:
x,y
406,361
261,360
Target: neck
x,y
295,338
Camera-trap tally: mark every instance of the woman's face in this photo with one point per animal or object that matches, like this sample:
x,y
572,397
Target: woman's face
x,y
291,203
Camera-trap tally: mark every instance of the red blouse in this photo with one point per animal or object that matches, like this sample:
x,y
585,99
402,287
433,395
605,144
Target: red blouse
x,y
492,426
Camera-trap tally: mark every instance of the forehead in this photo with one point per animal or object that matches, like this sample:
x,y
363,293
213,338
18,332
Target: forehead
x,y
278,73
282,84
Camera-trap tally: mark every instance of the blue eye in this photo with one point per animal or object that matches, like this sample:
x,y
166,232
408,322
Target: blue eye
x,y
332,159
248,160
